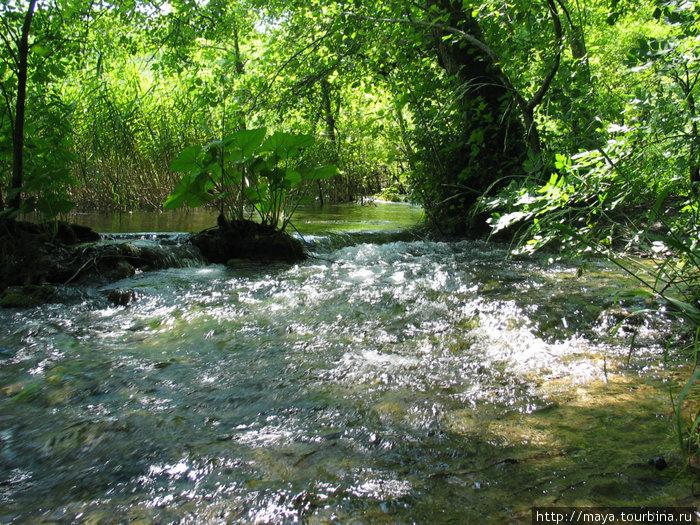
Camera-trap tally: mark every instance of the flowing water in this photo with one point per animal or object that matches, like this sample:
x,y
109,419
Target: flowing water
x,y
388,379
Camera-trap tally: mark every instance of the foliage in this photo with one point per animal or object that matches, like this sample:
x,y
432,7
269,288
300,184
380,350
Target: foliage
x,y
245,168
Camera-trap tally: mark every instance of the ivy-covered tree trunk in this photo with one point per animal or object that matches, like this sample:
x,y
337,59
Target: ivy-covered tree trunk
x,y
492,140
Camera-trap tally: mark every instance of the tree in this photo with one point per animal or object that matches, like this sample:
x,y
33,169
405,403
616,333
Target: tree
x,y
496,119
37,42
19,50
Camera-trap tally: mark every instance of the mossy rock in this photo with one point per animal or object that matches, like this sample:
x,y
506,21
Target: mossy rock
x,y
26,296
248,240
120,297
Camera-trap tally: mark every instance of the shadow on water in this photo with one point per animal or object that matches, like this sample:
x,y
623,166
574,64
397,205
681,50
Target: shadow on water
x,y
321,456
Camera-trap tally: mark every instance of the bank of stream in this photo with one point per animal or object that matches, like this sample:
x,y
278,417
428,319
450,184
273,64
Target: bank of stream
x,y
390,378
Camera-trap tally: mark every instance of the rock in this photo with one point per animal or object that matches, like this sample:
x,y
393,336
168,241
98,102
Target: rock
x,y
26,296
32,255
248,240
37,253
659,463
119,297
74,233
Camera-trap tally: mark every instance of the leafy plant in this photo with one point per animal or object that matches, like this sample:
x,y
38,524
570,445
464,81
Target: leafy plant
x,y
246,173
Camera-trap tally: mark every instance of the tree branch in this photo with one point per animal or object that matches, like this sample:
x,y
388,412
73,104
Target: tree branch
x,y
526,106
8,103
284,65
537,97
449,29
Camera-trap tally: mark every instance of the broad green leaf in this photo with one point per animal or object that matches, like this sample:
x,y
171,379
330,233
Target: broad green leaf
x,y
246,140
256,194
186,161
233,155
214,144
287,145
292,178
321,172
176,199
192,190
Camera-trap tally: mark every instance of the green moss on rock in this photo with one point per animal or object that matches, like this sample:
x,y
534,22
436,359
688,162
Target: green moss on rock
x,y
26,296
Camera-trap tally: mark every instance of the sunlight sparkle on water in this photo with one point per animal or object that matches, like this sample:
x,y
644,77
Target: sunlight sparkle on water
x,y
373,380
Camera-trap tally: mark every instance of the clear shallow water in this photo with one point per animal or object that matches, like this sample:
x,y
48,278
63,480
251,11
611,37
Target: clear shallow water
x,y
308,219
385,380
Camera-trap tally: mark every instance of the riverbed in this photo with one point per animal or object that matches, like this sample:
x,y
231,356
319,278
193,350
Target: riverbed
x,y
391,378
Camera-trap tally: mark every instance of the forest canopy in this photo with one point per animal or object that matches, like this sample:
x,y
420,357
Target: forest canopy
x,y
476,109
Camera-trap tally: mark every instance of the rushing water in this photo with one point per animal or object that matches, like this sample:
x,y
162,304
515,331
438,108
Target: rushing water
x,y
388,379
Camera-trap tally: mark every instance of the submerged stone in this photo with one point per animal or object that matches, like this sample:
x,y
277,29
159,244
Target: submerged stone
x,y
120,297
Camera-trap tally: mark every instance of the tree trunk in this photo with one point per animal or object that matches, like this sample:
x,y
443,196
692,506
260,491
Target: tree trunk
x,y
694,168
686,85
329,118
493,142
328,110
18,131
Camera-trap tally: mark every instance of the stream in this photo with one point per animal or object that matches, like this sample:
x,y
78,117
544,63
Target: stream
x,y
391,378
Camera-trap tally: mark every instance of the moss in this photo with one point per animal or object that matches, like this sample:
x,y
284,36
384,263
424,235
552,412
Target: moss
x,y
26,296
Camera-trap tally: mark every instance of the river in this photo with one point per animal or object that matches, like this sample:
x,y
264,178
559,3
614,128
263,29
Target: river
x,y
390,378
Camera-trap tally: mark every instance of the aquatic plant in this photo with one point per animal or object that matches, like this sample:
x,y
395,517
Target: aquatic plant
x,y
247,174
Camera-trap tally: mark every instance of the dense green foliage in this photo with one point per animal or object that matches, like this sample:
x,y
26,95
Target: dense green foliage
x,y
573,125
444,98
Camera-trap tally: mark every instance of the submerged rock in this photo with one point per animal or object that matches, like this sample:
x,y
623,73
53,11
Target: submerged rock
x,y
232,240
658,462
120,297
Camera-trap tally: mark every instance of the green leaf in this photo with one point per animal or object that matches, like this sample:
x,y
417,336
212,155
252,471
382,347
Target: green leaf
x,y
256,194
321,172
214,144
192,190
42,51
246,140
292,178
186,161
286,145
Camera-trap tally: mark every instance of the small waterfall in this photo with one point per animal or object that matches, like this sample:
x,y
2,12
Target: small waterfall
x,y
157,251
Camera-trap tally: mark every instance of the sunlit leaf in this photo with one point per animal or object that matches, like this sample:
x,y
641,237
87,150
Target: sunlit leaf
x,y
246,140
186,161
287,145
321,172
